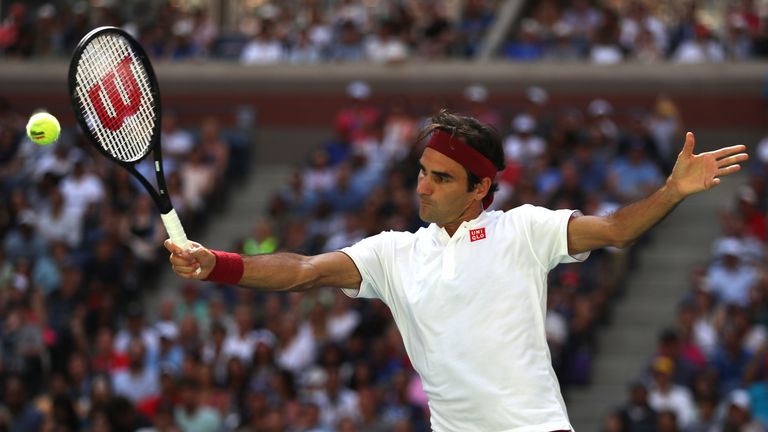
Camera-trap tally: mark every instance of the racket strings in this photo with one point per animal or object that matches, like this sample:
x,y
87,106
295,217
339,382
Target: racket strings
x,y
115,95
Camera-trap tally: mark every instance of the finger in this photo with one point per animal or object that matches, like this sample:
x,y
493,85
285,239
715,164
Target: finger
x,y
727,170
178,260
172,247
186,275
690,143
185,268
731,160
727,151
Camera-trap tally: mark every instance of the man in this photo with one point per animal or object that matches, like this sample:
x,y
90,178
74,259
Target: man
x,y
468,292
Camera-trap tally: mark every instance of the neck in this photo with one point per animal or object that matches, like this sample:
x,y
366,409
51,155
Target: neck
x,y
471,212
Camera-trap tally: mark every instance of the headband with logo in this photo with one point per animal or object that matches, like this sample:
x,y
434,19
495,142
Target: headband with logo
x,y
466,156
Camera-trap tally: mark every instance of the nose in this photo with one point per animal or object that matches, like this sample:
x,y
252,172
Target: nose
x,y
422,186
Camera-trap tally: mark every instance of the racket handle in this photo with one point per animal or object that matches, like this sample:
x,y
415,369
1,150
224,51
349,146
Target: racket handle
x,y
174,228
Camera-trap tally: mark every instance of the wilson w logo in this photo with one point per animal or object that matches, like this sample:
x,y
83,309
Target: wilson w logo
x,y
122,109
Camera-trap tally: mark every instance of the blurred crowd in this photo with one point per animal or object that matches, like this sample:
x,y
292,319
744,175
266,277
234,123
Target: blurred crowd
x,y
80,242
710,369
79,350
257,32
387,32
609,32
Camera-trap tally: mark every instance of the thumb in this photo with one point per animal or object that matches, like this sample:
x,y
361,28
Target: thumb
x,y
172,247
690,143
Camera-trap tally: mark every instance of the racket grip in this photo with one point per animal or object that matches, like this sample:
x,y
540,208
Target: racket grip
x,y
174,229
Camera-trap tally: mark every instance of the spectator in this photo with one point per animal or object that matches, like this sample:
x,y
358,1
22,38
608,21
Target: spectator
x,y
139,381
731,359
729,276
528,45
702,48
439,37
634,176
476,18
562,46
476,96
81,188
522,146
303,50
666,395
190,415
348,46
24,241
584,20
136,329
335,402
387,45
60,223
264,47
665,124
606,48
639,24
24,416
637,415
738,416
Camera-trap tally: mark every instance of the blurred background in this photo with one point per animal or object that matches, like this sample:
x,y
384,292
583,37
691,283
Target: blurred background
x,y
290,126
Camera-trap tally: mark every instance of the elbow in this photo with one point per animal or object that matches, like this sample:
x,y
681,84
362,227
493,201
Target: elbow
x,y
622,242
619,238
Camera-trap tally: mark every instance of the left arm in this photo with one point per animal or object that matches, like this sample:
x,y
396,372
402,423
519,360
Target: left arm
x,y
691,174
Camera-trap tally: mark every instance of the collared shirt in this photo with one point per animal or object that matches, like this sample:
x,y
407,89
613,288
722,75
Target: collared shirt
x,y
471,310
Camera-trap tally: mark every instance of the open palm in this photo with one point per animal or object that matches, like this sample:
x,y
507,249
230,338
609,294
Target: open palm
x,y
698,172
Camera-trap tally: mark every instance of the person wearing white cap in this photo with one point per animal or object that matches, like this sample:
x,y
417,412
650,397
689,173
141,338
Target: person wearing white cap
x,y
478,107
522,146
600,112
536,105
738,415
468,293
730,276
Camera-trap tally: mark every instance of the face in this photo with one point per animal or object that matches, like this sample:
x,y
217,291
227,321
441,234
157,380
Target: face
x,y
442,189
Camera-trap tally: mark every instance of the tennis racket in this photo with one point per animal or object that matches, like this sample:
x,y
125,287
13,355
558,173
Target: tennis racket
x,y
116,101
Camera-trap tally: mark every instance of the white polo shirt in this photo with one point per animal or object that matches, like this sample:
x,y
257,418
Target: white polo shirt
x,y
471,311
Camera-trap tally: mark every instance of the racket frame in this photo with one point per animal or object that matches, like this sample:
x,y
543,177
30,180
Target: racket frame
x,y
159,194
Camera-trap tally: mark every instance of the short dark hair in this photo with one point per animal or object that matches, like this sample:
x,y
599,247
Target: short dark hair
x,y
480,136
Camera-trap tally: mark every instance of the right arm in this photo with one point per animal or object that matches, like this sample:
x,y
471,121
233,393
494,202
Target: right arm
x,y
272,272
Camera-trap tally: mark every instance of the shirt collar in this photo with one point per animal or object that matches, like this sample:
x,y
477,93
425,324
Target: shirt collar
x,y
441,235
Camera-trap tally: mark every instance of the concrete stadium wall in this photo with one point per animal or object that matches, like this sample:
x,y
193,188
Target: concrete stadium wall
x,y
294,106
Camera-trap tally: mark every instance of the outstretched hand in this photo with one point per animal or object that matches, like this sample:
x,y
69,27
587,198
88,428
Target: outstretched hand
x,y
694,173
197,262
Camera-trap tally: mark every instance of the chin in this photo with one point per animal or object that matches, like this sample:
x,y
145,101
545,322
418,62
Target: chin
x,y
425,216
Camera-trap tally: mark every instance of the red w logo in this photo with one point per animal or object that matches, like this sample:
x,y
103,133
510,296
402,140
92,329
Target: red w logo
x,y
122,110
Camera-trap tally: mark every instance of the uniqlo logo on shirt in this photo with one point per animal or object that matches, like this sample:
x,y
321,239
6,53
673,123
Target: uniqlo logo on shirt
x,y
476,234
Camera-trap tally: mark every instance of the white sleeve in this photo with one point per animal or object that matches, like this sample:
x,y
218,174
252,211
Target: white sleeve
x,y
369,255
548,236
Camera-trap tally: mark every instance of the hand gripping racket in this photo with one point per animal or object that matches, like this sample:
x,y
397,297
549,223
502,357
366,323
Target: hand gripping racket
x,y
116,100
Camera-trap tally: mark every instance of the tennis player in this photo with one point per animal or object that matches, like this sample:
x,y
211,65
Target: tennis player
x,y
468,292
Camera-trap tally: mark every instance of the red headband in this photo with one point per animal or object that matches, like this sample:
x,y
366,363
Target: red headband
x,y
466,156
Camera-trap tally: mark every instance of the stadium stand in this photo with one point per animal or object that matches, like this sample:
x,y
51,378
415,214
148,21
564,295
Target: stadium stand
x,y
77,351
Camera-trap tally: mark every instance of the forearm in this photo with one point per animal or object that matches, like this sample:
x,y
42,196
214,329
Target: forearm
x,y
630,222
279,272
624,226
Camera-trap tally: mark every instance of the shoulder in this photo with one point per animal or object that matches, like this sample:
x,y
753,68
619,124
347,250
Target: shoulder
x,y
524,211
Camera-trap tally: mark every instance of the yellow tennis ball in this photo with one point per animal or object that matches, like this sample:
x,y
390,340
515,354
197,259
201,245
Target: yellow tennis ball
x,y
43,128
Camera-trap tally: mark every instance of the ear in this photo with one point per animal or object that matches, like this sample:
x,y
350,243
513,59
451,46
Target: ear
x,y
482,188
